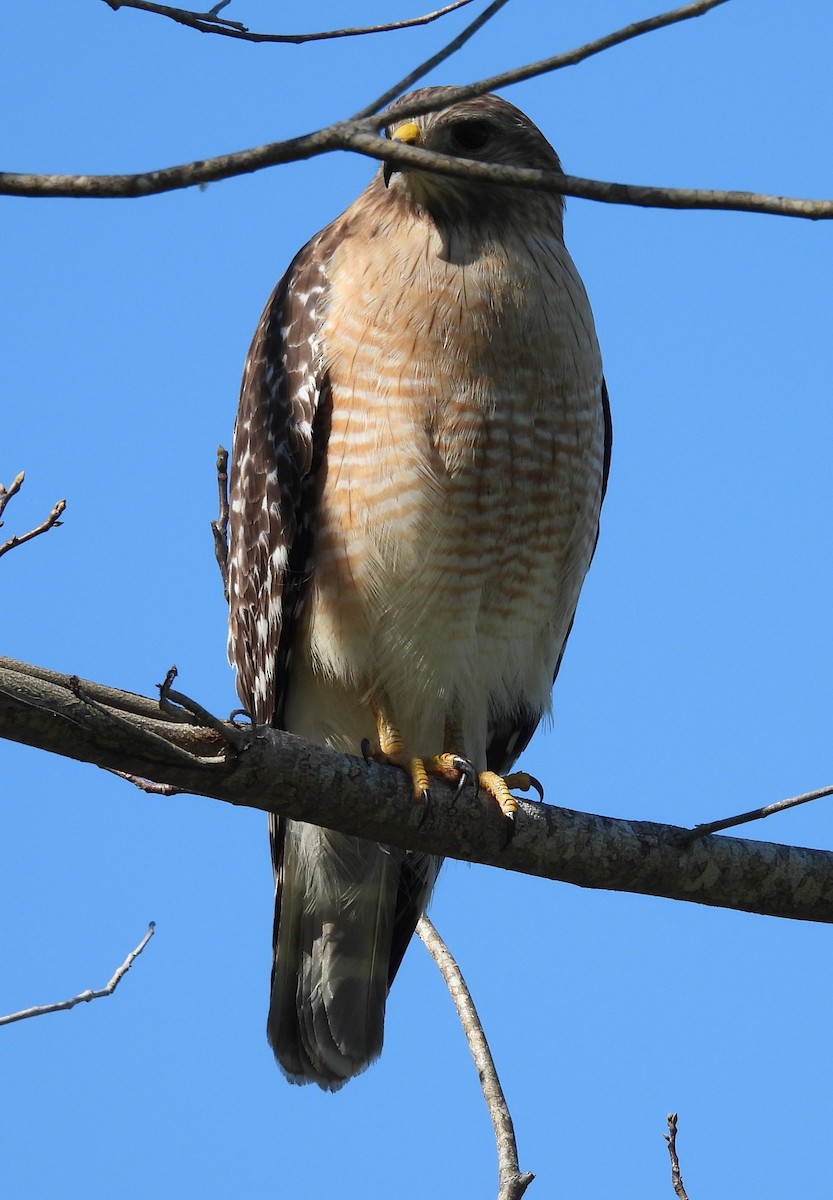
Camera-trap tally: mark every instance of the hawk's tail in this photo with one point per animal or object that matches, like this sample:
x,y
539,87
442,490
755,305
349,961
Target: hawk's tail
x,y
340,919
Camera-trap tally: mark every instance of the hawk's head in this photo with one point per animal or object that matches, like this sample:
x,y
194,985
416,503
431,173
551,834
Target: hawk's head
x,y
486,129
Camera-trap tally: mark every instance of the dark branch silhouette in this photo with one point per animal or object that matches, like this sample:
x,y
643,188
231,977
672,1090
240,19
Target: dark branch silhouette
x,y
757,814
360,134
212,22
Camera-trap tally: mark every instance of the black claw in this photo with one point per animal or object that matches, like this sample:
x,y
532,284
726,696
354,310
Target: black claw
x,y
366,750
539,787
467,775
509,829
424,805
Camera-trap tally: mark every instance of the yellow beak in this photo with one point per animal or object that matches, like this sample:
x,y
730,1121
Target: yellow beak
x,y
408,133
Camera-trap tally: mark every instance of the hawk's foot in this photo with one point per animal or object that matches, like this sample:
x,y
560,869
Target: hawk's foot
x,y
449,766
500,788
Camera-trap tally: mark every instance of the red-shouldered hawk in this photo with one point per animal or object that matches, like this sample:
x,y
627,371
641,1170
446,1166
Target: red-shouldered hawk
x,y
420,457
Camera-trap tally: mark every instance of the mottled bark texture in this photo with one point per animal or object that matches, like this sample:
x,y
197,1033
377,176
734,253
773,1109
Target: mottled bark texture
x,y
276,772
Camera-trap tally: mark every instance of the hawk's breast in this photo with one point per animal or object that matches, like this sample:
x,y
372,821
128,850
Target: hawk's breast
x,y
464,468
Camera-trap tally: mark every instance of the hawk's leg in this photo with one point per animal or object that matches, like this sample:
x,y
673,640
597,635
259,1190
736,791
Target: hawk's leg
x,y
450,766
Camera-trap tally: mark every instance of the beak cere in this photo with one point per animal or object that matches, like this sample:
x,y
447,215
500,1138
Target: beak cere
x,y
408,133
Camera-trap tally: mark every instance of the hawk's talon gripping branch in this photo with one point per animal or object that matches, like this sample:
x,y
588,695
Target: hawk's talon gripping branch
x,y
499,787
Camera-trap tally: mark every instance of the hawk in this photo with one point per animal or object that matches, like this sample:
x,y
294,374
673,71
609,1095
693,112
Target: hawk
x,y
420,457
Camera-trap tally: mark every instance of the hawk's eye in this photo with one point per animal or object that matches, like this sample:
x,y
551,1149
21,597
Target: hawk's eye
x,y
469,136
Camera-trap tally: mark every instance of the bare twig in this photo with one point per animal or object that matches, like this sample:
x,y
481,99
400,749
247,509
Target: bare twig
x,y
544,66
147,785
512,1181
211,22
115,722
234,738
6,493
361,136
85,997
219,528
434,61
756,814
671,1138
52,521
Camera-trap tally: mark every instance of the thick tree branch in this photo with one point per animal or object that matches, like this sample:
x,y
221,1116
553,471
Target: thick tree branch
x,y
212,22
89,994
512,1182
276,772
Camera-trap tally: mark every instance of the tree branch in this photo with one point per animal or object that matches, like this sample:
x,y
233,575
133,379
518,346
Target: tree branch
x,y
757,814
361,136
512,1182
350,136
544,66
435,60
84,997
6,493
219,528
273,771
676,1175
211,22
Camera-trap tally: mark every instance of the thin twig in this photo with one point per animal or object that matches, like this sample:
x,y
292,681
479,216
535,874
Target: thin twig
x,y
147,785
210,22
114,720
236,739
6,493
434,61
51,522
219,528
512,1182
361,136
568,58
756,814
671,1138
85,997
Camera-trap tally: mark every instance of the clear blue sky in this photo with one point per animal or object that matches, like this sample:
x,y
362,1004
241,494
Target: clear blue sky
x,y
697,681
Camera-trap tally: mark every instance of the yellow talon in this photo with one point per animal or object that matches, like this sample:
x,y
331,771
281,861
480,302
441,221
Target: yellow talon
x,y
499,787
448,766
444,766
392,750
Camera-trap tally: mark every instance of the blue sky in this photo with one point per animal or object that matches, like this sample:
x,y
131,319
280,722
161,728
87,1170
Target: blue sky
x,y
697,680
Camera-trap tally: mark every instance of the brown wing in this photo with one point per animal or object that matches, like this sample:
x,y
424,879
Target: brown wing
x,y
278,440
